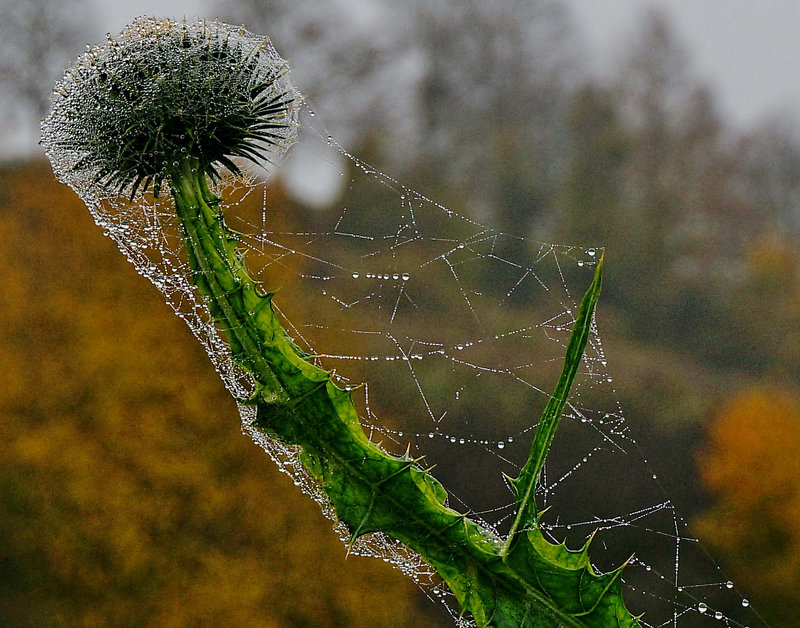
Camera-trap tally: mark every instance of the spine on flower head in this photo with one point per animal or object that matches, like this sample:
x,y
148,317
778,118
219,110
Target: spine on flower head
x,y
128,113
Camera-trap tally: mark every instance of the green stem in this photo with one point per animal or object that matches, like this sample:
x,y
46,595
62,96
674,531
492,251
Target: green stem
x,y
525,483
371,490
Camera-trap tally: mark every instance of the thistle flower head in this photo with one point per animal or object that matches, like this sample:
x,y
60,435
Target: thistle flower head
x,y
128,114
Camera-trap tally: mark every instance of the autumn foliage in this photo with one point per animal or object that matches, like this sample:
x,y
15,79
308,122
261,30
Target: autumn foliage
x,y
128,495
752,467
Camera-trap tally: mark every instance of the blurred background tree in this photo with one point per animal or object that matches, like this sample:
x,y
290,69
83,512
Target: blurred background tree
x,y
39,38
751,468
127,496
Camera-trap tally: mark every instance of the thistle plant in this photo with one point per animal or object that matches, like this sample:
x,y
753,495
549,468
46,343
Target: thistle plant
x,y
170,105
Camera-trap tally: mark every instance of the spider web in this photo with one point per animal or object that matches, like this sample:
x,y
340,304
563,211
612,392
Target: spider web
x,y
453,334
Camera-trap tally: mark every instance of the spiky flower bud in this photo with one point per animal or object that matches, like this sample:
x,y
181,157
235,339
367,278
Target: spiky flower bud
x,y
128,114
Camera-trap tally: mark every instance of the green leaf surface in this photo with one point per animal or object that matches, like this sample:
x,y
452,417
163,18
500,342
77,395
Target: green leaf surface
x,y
520,581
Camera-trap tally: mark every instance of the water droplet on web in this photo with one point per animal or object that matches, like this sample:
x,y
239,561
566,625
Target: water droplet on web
x,y
745,602
718,615
729,584
702,607
408,352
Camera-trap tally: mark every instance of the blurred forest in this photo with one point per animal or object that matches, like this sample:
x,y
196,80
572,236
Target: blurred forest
x,y
128,495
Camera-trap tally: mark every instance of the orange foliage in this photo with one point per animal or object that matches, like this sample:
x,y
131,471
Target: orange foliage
x,y
752,467
128,495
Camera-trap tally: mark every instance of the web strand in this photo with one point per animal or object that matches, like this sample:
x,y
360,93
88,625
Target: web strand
x,y
457,332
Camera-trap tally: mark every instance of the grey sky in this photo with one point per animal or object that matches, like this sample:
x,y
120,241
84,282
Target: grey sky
x,y
747,50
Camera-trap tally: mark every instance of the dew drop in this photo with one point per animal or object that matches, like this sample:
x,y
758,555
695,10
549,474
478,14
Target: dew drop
x,y
729,584
405,277
745,602
591,252
356,275
501,445
702,607
718,615
430,434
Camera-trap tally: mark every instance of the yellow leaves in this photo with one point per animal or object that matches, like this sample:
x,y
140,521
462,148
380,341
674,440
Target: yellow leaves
x,y
751,466
128,495
755,448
